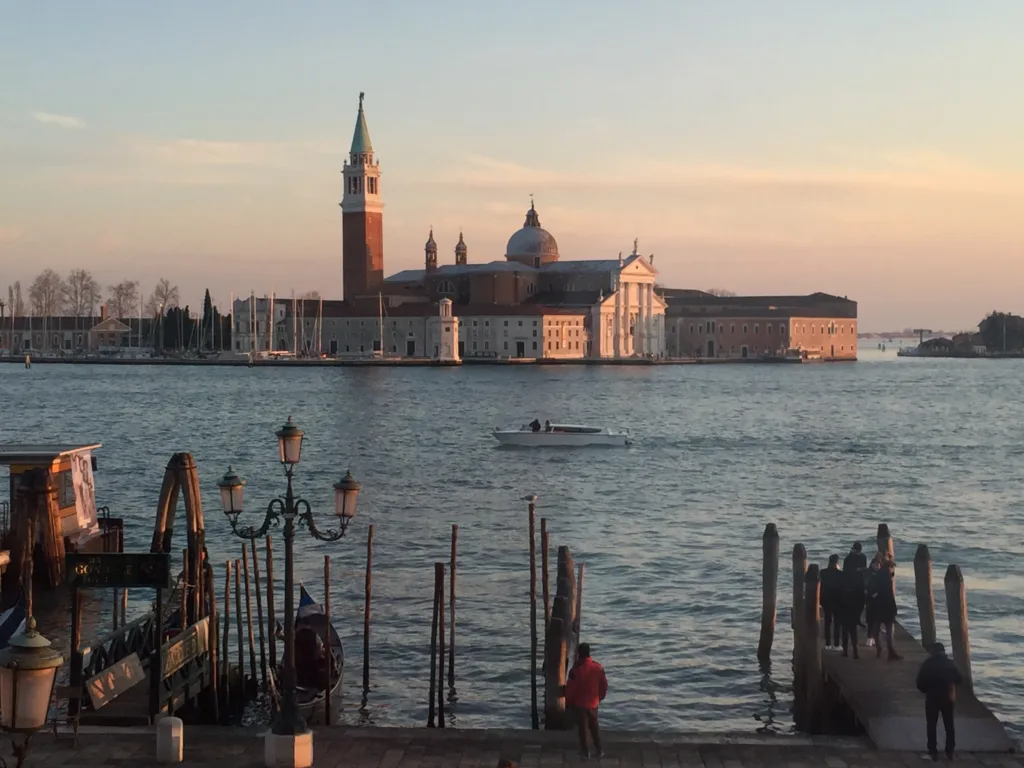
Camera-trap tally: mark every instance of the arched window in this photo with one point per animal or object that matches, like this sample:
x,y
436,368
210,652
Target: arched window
x,y
530,289
446,288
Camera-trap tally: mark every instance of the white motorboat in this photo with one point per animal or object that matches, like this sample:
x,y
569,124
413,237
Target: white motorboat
x,y
561,435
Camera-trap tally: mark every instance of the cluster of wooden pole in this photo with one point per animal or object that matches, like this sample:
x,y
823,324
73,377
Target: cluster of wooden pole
x,y
435,715
808,680
561,625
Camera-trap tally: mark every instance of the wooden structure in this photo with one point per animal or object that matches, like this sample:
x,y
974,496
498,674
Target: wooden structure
x,y
880,695
52,485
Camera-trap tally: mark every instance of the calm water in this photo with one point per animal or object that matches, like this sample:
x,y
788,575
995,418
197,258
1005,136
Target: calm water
x,y
669,529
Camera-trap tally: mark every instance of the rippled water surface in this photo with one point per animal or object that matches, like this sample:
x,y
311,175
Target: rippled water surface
x,y
669,529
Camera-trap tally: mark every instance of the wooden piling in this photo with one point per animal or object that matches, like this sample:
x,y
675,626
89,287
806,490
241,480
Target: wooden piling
x,y
227,636
440,651
248,616
799,572
811,647
956,605
579,605
438,586
330,651
554,683
769,590
271,623
451,607
534,714
925,595
545,581
566,587
366,611
262,627
213,638
238,626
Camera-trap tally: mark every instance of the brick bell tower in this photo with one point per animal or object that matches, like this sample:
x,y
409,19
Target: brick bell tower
x,y
362,226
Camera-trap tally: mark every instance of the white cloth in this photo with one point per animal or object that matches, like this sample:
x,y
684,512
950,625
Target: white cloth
x,y
85,493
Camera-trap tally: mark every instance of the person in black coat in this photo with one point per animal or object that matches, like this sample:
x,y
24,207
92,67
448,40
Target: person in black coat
x,y
856,559
851,605
831,601
881,605
937,680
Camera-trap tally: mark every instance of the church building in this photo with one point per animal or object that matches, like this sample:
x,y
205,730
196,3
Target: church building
x,y
525,303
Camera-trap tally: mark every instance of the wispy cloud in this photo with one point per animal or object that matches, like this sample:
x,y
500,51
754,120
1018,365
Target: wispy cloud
x,y
200,152
10,234
61,121
915,170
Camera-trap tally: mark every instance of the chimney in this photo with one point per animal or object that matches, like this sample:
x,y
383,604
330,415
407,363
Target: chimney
x,y
103,312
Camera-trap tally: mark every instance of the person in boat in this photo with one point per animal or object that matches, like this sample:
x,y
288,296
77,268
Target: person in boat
x,y
310,659
547,426
535,425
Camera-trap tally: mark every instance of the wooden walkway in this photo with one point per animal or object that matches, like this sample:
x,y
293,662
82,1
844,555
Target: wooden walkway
x,y
884,697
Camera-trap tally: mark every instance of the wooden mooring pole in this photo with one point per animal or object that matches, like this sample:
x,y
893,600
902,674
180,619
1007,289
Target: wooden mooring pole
x,y
799,572
811,647
261,626
238,627
440,651
925,595
886,549
799,630
271,623
213,638
438,586
330,650
227,636
534,715
366,612
451,607
956,605
769,590
545,559
251,634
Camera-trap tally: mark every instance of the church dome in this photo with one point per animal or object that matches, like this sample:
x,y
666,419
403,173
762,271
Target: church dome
x,y
532,244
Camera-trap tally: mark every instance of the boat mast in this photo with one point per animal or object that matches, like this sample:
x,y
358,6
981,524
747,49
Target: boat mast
x,y
380,321
272,318
320,328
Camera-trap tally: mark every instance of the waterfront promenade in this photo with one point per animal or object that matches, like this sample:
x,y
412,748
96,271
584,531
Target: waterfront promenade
x,y
437,748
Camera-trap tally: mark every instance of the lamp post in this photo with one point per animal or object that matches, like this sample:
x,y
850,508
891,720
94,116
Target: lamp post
x,y
293,509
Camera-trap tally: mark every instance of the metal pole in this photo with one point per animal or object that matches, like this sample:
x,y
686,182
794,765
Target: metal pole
x,y
289,723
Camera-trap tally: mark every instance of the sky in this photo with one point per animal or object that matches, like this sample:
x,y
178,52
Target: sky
x,y
871,150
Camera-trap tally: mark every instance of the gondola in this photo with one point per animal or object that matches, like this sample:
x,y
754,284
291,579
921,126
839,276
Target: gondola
x,y
12,621
311,629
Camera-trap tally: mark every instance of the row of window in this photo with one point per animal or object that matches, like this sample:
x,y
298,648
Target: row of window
x,y
355,185
713,326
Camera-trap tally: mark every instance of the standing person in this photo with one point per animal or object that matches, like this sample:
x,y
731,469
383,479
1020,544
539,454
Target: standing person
x,y
857,561
882,604
937,680
585,689
851,605
831,601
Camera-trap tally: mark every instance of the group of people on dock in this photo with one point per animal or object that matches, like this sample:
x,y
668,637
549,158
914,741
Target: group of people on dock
x,y
859,595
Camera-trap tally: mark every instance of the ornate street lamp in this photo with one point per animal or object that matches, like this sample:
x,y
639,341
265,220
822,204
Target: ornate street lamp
x,y
28,669
292,508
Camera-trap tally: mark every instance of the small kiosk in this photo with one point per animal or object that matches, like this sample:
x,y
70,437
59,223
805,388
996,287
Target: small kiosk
x,y
52,487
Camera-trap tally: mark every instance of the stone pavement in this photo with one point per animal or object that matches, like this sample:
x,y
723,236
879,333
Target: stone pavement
x,y
435,748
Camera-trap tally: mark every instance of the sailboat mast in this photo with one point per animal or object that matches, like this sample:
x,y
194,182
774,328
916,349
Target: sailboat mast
x,y
320,328
380,321
272,319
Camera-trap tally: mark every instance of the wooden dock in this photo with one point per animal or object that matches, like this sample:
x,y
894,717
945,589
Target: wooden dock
x,y
884,698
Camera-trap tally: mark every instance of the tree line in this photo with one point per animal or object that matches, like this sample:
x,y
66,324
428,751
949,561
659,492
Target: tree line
x,y
1002,332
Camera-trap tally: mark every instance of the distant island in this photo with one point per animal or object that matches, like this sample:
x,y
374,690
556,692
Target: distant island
x,y
1000,334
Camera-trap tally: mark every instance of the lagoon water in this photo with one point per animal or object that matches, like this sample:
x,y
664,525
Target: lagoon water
x,y
669,529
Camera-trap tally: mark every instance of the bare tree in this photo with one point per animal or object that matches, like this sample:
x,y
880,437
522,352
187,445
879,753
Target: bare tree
x,y
46,294
163,298
81,293
720,292
15,302
310,295
123,301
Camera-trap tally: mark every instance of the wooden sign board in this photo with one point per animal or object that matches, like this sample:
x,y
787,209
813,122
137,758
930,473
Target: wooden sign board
x,y
115,680
185,647
118,569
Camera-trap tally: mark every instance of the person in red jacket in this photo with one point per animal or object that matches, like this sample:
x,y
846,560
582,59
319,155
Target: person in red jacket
x,y
585,689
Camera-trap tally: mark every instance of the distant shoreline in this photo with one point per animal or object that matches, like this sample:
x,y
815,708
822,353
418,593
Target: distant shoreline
x,y
401,362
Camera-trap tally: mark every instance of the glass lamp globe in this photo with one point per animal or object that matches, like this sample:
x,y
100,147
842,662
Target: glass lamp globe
x,y
289,442
232,490
28,669
346,493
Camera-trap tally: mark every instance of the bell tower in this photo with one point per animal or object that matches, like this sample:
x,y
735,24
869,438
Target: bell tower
x,y
362,225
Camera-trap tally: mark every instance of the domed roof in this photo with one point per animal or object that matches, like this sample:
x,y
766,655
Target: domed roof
x,y
460,247
431,245
532,241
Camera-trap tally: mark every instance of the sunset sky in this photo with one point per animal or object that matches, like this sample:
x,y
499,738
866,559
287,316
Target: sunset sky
x,y
869,149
